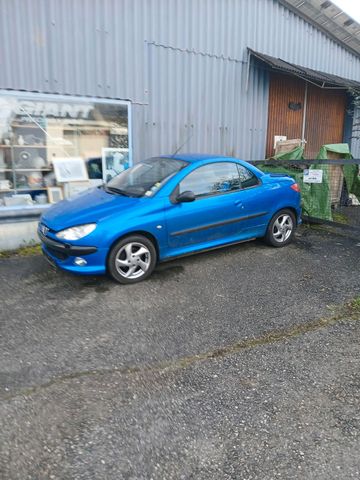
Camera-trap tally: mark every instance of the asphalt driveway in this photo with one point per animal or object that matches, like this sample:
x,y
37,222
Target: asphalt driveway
x,y
237,364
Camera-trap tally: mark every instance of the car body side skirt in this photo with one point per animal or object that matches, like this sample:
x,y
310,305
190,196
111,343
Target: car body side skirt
x,y
206,249
218,224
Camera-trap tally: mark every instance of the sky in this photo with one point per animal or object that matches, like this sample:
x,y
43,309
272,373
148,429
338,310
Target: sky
x,y
351,7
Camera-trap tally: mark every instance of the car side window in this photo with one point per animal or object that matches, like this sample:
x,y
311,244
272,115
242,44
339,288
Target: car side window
x,y
212,179
247,178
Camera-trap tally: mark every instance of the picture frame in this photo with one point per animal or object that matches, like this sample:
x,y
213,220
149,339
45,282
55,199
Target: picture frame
x,y
55,194
72,189
114,161
70,169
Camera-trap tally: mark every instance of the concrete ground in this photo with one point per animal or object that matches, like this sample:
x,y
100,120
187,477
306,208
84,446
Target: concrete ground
x,y
241,363
348,215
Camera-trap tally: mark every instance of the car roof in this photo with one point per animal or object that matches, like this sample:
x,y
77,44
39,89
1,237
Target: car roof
x,y
196,157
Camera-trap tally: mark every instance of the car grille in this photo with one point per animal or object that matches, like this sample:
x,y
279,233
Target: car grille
x,y
57,254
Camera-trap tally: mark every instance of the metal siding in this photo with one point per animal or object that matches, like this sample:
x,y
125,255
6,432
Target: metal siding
x,y
98,48
355,144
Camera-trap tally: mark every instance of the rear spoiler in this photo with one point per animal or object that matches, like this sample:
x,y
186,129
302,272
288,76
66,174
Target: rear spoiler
x,y
279,175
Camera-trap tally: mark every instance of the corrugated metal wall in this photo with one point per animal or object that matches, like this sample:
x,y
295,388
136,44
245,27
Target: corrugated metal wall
x,y
207,106
182,63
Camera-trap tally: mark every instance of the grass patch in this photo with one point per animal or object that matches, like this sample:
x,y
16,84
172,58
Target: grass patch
x,y
26,251
355,305
340,218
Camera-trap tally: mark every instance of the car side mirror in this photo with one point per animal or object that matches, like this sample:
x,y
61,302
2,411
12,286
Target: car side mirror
x,y
187,196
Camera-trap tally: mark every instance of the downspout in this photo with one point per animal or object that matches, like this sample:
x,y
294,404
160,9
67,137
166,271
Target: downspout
x,y
303,141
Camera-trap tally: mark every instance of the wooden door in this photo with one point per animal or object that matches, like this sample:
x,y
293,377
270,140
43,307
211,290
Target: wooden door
x,y
325,115
282,120
325,119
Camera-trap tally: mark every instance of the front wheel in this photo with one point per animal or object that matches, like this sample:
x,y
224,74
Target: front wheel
x,y
281,228
132,259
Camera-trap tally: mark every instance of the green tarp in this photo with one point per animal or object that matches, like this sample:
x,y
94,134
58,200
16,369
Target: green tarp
x,y
351,172
316,197
296,154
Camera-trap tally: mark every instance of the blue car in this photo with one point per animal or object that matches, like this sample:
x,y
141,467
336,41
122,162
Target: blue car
x,y
166,207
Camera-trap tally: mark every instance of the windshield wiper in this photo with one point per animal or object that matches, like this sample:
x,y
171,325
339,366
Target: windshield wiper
x,y
116,190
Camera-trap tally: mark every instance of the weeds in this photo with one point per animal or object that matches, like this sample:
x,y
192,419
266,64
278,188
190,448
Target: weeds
x,y
26,251
355,305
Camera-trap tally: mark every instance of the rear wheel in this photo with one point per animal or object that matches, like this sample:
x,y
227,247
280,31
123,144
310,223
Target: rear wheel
x,y
281,228
132,259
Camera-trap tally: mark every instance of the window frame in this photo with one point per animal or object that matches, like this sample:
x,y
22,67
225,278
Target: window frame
x,y
259,182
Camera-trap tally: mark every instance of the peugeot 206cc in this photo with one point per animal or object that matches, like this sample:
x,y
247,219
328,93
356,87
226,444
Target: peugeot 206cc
x,y
165,207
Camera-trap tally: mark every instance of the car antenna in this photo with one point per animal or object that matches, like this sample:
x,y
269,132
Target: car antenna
x,y
187,139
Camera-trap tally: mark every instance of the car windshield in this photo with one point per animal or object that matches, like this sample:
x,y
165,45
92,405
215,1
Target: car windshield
x,y
145,178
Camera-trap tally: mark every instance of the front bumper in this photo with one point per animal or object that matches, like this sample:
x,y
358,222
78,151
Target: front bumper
x,y
63,255
66,249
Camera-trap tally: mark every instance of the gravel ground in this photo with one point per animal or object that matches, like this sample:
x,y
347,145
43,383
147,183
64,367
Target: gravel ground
x,y
234,364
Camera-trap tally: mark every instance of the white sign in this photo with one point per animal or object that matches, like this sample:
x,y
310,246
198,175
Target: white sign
x,y
313,176
54,109
279,138
70,169
73,189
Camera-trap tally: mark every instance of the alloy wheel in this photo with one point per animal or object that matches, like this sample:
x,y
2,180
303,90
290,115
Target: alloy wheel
x,y
282,228
133,260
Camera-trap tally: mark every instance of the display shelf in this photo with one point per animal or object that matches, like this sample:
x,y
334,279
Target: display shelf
x,y
5,146
17,125
3,170
15,148
62,147
32,170
30,189
43,146
84,127
30,146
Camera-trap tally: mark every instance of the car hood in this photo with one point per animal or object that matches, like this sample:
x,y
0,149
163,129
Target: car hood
x,y
88,207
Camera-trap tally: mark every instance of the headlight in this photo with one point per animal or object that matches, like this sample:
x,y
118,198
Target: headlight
x,y
74,233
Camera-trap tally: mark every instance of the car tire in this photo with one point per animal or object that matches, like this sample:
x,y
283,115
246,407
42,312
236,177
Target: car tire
x,y
132,259
281,229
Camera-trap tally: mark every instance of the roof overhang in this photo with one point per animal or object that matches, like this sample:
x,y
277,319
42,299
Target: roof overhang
x,y
320,79
330,19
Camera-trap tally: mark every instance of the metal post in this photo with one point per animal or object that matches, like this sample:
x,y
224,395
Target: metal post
x,y
248,72
303,141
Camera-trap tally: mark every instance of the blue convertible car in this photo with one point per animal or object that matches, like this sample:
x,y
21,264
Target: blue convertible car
x,y
165,207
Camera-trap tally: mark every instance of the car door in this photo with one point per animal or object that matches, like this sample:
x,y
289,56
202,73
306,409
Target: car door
x,y
213,216
254,201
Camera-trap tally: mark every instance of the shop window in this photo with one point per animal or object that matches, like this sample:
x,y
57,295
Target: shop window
x,y
42,135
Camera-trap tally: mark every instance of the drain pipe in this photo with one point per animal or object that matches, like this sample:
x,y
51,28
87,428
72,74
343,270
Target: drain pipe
x,y
303,141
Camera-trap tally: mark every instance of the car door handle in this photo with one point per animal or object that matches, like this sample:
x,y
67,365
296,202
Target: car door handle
x,y
238,203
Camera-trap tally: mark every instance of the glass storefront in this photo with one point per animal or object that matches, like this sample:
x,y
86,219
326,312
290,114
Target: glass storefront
x,y
53,147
